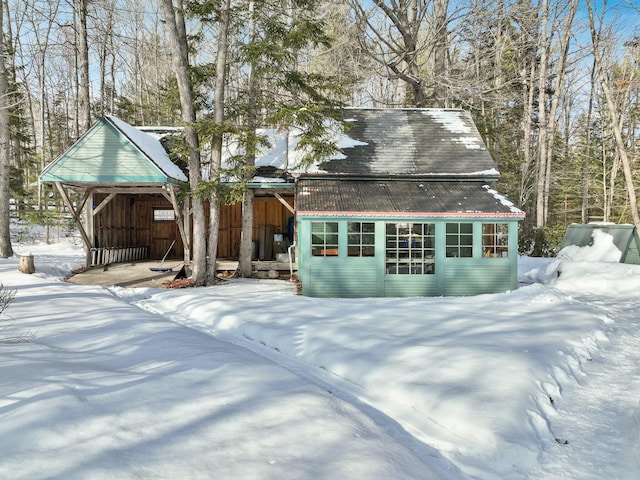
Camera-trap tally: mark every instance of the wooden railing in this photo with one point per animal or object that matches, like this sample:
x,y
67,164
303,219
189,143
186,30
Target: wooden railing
x,y
107,255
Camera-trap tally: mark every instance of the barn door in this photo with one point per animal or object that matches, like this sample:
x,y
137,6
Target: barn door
x,y
164,233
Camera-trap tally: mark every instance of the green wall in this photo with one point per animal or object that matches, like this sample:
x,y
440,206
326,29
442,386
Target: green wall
x,y
345,276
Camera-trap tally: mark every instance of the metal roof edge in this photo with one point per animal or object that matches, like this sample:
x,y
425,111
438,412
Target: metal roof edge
x,y
446,177
138,148
331,213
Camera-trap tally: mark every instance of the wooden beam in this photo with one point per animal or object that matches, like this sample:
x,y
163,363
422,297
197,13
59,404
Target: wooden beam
x,y
284,202
76,216
103,204
83,200
126,190
186,241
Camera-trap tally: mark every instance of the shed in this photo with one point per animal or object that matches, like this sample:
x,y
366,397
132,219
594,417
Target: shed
x,y
408,210
625,238
127,193
125,180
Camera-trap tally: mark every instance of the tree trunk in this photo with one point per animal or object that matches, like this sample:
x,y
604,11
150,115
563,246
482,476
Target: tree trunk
x,y
84,106
26,264
216,148
440,55
558,92
528,73
541,213
586,175
245,268
5,193
177,37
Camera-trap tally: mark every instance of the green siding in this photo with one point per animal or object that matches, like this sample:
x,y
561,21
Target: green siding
x,y
104,155
472,278
344,276
411,286
339,280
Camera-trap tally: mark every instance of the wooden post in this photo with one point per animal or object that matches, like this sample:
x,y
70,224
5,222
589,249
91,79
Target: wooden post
x,y
26,264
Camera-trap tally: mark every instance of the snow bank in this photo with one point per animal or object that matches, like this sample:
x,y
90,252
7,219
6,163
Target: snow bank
x,y
268,384
469,376
593,269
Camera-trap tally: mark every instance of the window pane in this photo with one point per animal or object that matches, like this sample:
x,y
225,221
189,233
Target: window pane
x,y
495,240
405,254
324,239
459,240
361,244
368,239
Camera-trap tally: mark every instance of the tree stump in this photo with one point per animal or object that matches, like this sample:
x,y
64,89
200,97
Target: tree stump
x,y
26,264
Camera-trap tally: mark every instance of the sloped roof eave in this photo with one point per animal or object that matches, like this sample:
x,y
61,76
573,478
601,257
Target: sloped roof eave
x,y
164,165
379,197
50,173
470,214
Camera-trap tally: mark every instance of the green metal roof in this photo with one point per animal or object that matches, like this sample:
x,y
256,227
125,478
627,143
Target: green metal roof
x,y
112,151
625,238
379,197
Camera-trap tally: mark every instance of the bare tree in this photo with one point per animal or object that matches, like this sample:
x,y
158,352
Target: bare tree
x,y
216,150
84,105
614,115
403,37
177,34
587,154
5,164
104,37
548,102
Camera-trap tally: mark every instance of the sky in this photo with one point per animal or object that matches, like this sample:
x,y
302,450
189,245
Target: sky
x,y
248,380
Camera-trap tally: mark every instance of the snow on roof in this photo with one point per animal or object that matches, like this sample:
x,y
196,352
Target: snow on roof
x,y
151,147
503,200
602,250
454,122
450,119
282,150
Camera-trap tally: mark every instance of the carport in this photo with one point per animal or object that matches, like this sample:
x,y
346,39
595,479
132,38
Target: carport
x,y
122,190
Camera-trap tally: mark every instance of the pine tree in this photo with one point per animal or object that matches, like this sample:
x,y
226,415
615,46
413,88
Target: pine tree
x,y
282,90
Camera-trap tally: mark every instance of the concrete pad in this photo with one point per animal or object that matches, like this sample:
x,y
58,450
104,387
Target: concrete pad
x,y
130,274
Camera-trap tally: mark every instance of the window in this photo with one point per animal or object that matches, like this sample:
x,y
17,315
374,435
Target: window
x,y
459,240
495,240
324,239
163,215
361,239
410,248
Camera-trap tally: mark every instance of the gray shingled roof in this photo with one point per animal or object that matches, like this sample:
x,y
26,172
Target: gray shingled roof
x,y
413,142
400,197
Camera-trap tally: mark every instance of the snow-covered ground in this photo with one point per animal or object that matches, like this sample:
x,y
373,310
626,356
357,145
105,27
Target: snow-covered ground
x,y
249,380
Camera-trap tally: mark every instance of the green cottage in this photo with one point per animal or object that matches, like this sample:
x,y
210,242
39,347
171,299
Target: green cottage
x,y
407,211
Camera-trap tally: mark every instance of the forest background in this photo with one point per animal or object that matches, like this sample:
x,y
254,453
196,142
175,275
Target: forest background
x,y
553,86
